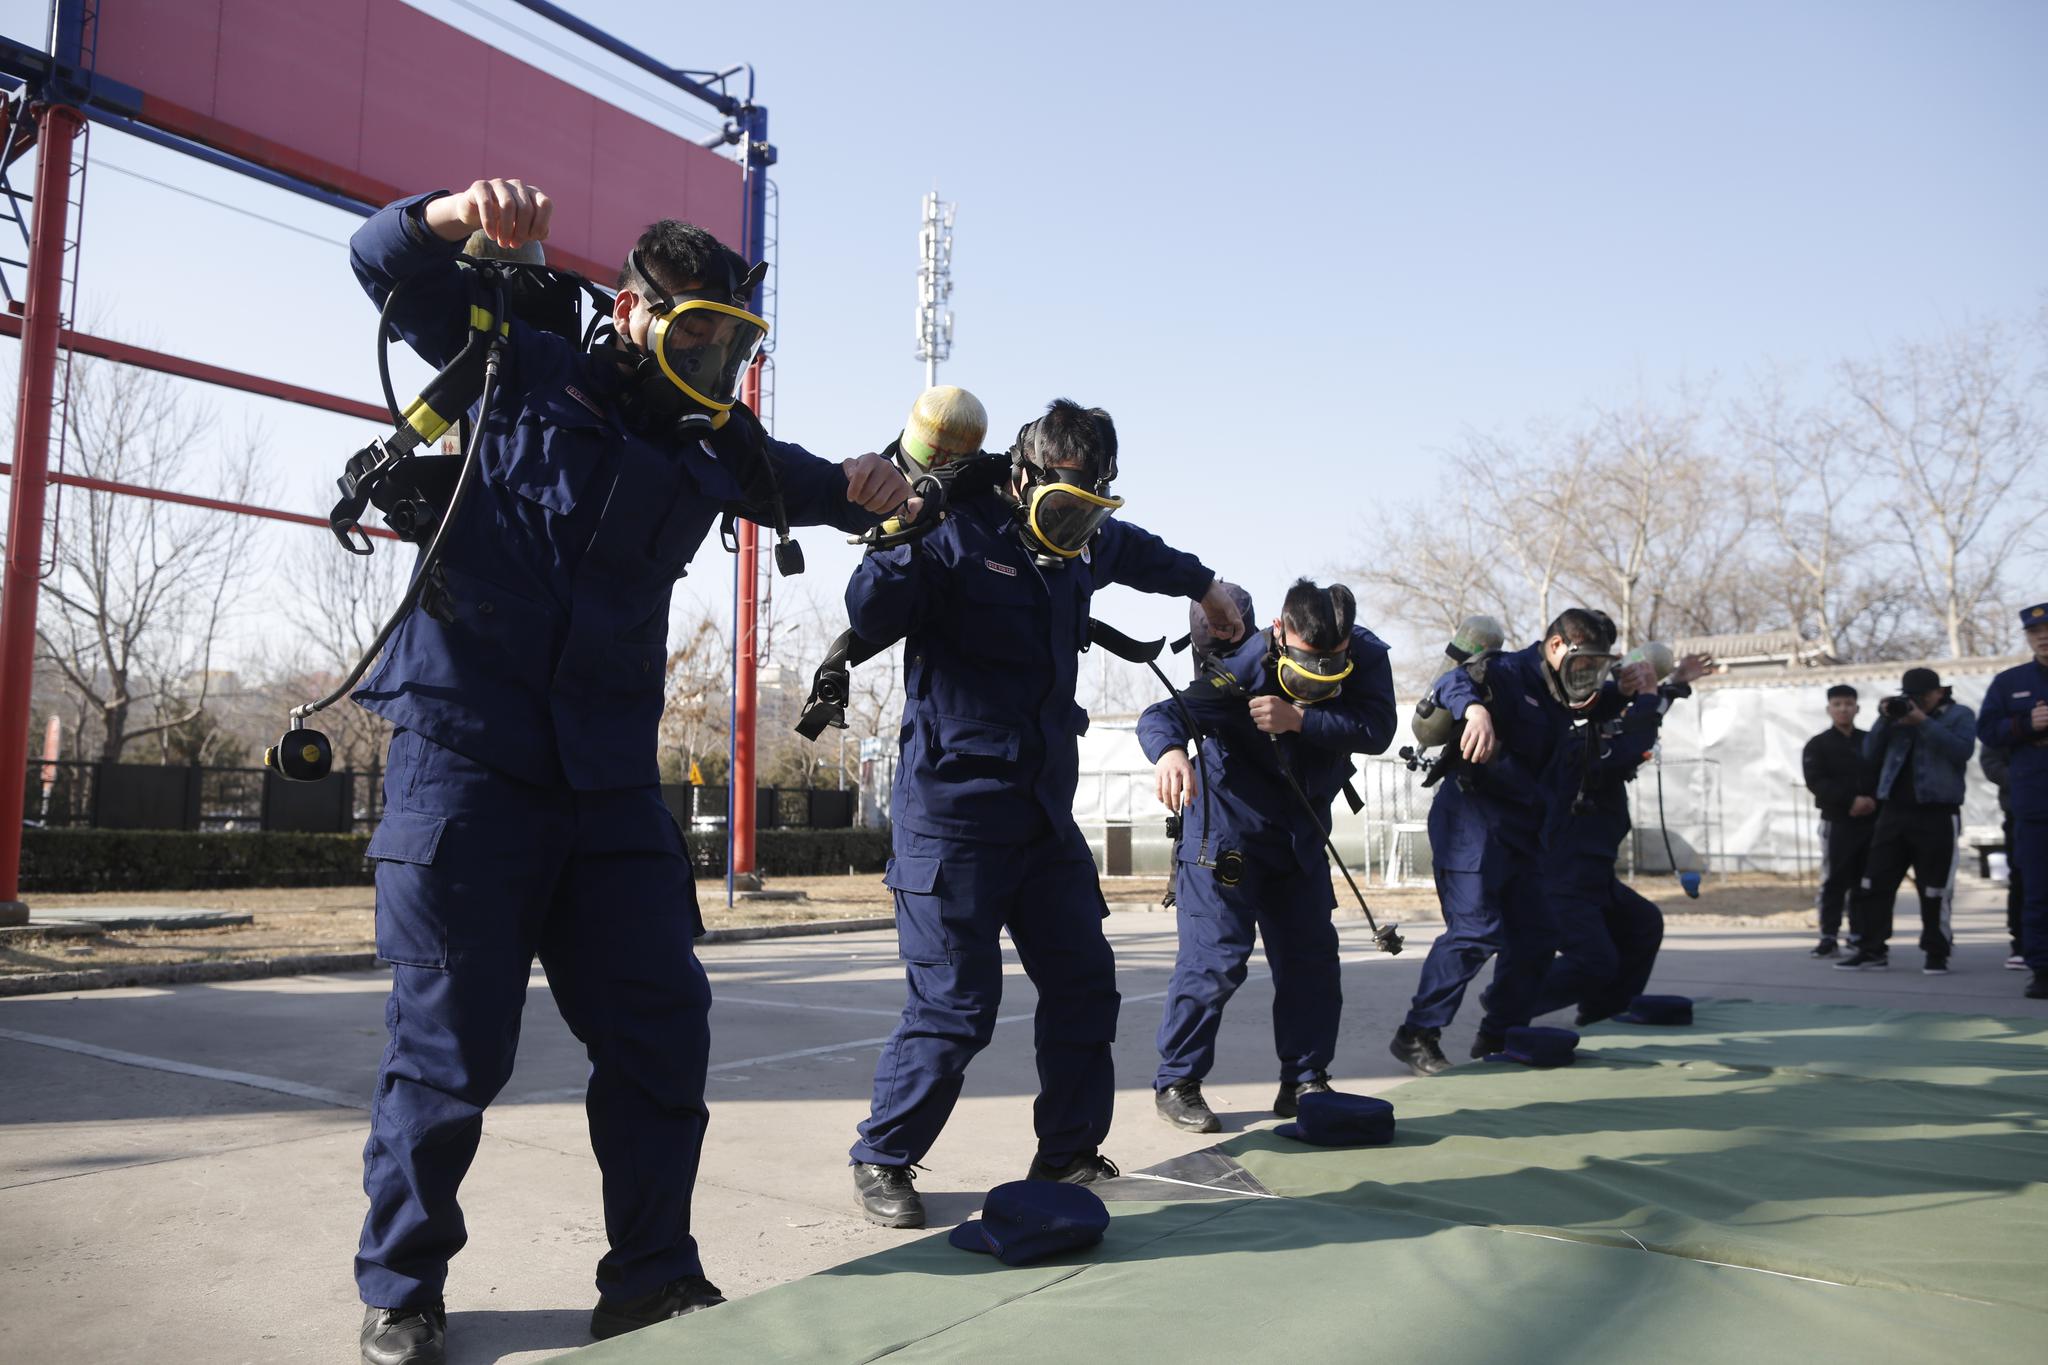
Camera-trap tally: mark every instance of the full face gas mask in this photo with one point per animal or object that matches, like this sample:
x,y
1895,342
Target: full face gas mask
x,y
1307,676
1059,509
1582,670
698,350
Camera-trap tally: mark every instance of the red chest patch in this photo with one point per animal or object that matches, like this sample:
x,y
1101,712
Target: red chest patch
x,y
1006,570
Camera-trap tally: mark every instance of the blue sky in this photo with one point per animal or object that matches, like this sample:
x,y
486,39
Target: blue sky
x,y
1294,249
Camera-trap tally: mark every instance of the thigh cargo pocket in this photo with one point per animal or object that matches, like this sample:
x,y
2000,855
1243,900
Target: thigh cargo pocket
x,y
920,912
412,924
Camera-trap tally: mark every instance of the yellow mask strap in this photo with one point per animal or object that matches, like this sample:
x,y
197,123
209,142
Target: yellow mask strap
x,y
1287,665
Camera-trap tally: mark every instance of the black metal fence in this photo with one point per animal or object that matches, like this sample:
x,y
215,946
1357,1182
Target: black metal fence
x,y
73,795
774,807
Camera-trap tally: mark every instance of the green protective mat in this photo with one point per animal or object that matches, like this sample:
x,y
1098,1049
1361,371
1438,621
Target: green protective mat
x,y
1778,1181
1837,1146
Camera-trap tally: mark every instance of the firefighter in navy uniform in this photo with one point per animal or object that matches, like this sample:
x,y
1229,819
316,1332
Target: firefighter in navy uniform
x,y
992,605
1608,934
1485,827
2015,718
523,816
1307,694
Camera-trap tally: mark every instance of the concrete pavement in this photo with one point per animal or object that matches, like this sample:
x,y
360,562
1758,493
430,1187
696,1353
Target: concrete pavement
x,y
179,1168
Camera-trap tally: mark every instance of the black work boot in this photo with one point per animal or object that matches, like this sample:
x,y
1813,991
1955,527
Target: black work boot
x,y
886,1195
1082,1170
1485,1044
1417,1049
405,1336
1284,1106
2037,989
1825,948
1181,1104
616,1317
1866,960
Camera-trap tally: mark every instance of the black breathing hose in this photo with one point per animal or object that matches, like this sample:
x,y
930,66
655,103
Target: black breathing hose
x,y
431,556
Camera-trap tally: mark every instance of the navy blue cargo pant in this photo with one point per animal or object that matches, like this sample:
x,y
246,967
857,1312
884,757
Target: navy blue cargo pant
x,y
2027,855
1290,911
1607,942
1497,909
477,874
954,897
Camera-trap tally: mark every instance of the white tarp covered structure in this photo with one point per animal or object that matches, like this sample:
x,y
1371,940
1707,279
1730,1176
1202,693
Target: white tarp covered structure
x,y
1731,755
1730,763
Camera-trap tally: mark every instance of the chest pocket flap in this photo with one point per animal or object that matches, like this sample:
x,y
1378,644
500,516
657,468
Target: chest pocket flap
x,y
552,451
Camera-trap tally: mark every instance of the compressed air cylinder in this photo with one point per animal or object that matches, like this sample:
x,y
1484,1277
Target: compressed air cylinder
x,y
1475,635
945,424
1656,654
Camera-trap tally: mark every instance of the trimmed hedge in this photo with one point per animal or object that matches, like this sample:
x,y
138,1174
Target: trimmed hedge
x,y
182,860
178,860
798,852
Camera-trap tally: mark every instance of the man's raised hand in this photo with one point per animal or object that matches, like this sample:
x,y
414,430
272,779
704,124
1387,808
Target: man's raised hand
x,y
509,212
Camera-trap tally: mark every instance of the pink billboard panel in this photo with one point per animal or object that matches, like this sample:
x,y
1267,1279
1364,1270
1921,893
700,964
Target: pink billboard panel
x,y
373,99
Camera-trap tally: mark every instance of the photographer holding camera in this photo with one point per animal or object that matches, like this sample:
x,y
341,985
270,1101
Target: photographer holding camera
x,y
1921,744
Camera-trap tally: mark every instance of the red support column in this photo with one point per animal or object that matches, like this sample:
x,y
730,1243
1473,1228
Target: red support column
x,y
57,124
745,650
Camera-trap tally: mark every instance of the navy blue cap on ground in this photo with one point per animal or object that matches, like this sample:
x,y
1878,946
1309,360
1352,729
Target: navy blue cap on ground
x,y
1658,1009
1537,1046
1029,1220
1331,1118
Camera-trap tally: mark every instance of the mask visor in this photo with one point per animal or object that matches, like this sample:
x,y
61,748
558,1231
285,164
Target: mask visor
x,y
705,349
1308,677
1063,517
1582,673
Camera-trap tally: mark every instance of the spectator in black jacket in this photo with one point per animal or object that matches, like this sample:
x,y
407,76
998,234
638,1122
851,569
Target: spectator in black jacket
x,y
1844,787
1993,759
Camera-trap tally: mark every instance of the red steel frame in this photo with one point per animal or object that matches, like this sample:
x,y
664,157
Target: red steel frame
x,y
58,125
43,334
742,802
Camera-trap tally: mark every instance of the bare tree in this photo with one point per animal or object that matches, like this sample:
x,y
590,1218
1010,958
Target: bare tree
x,y
1527,501
1952,420
340,603
1627,522
140,589
694,717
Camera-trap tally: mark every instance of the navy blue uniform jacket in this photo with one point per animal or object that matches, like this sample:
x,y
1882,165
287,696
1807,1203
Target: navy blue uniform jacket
x,y
989,746
1243,803
2006,720
1606,755
563,560
1501,801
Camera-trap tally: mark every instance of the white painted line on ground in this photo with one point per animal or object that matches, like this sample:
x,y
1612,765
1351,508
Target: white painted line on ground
x,y
719,997
318,1094
322,1095
1197,1185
